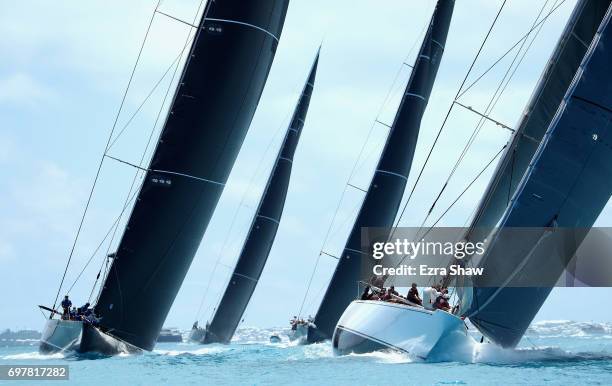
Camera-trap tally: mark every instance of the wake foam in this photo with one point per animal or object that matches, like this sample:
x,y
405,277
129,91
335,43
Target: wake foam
x,y
34,355
390,356
197,352
568,328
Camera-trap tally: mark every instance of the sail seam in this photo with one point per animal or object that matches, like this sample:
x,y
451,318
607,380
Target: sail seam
x,y
245,276
356,251
188,176
286,159
245,24
579,39
164,171
269,218
415,95
392,173
437,43
221,20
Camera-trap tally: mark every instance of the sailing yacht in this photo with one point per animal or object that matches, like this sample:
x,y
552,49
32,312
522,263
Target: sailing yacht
x,y
555,176
383,197
262,232
213,105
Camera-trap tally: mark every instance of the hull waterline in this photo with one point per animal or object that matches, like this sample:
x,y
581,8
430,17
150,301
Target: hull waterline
x,y
367,326
79,337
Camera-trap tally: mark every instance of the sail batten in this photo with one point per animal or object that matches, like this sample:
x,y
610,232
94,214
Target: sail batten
x,y
211,110
261,234
383,197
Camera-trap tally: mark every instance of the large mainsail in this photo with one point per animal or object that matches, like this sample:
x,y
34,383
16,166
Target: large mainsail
x,y
262,232
567,184
212,108
384,195
547,95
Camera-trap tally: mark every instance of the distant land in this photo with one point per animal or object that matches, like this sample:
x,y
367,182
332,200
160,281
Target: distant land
x,y
21,334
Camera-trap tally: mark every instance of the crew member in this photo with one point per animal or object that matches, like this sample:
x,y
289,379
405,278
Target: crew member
x,y
442,301
430,295
413,295
66,304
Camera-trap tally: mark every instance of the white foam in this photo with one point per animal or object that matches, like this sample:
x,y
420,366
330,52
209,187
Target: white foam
x,y
34,355
568,328
199,351
392,357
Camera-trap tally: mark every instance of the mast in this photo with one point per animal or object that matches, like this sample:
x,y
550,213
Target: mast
x,y
383,197
565,188
262,232
211,111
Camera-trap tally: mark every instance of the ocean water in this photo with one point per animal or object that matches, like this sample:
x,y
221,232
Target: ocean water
x,y
552,353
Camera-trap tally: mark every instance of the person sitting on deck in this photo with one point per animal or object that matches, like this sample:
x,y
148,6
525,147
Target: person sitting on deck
x,y
294,322
413,295
66,304
392,291
195,325
366,295
442,301
84,310
387,295
430,295
73,313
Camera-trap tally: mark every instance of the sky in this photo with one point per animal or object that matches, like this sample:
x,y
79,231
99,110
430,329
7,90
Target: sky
x,y
65,67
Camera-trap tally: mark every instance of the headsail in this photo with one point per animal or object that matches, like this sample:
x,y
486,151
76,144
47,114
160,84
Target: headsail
x,y
210,114
263,228
567,184
386,189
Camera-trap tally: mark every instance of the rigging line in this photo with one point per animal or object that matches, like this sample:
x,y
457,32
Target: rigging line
x,y
525,52
482,115
97,249
447,116
391,94
105,150
498,93
175,64
358,161
164,171
457,198
93,288
146,99
314,270
188,41
490,106
466,189
254,176
301,95
511,49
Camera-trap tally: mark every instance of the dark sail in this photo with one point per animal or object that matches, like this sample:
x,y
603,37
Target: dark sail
x,y
263,229
545,100
386,189
566,186
209,117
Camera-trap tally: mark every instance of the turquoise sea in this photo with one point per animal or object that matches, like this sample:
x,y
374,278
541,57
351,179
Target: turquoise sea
x,y
552,353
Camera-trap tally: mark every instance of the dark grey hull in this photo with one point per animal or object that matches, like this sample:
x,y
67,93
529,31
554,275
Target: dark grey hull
x,y
78,337
197,335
